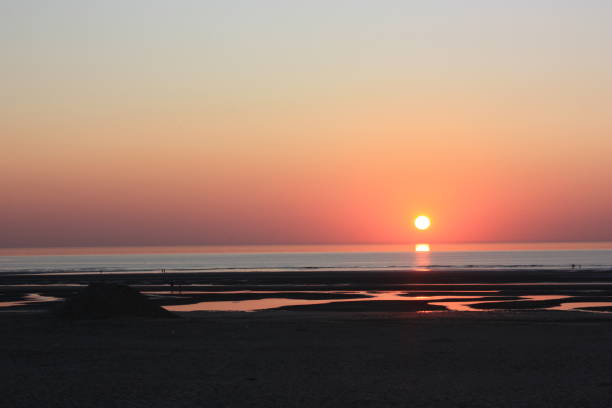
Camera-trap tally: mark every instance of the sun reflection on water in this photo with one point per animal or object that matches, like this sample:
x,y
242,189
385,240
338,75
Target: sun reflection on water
x,y
421,248
422,257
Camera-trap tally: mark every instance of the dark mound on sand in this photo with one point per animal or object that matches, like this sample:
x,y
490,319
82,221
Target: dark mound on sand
x,y
105,300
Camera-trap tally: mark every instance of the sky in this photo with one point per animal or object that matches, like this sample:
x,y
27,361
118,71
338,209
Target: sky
x,y
289,122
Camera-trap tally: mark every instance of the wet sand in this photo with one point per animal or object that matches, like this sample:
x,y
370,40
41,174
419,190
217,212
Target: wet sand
x,y
349,352
338,291
355,279
308,359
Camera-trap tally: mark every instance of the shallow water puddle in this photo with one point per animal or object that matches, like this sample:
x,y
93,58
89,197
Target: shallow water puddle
x,y
466,306
460,306
581,305
251,305
28,299
243,305
273,303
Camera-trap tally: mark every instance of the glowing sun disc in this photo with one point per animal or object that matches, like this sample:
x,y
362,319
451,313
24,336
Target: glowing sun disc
x,y
422,222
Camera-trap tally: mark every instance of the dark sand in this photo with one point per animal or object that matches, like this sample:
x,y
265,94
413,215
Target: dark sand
x,y
300,359
360,280
355,353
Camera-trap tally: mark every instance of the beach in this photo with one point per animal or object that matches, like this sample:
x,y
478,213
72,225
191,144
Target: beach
x,y
351,291
345,345
296,359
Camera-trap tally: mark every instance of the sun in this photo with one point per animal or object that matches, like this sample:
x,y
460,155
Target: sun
x,y
422,222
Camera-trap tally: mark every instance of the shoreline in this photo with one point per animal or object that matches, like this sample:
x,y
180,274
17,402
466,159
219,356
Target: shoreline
x,y
422,275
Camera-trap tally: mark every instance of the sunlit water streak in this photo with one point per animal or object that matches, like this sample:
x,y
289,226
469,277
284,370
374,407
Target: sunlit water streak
x,y
272,303
467,306
582,305
455,306
30,298
253,305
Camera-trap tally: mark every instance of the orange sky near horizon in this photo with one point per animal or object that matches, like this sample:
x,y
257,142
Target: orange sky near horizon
x,y
316,130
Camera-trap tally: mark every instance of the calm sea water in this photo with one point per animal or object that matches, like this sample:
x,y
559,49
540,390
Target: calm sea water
x,y
298,258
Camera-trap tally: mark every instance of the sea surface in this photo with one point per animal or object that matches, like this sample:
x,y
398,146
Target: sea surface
x,y
513,256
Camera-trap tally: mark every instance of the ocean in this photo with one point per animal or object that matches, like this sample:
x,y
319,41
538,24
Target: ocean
x,y
513,256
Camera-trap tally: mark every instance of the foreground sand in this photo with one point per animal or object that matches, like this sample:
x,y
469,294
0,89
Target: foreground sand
x,y
307,359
